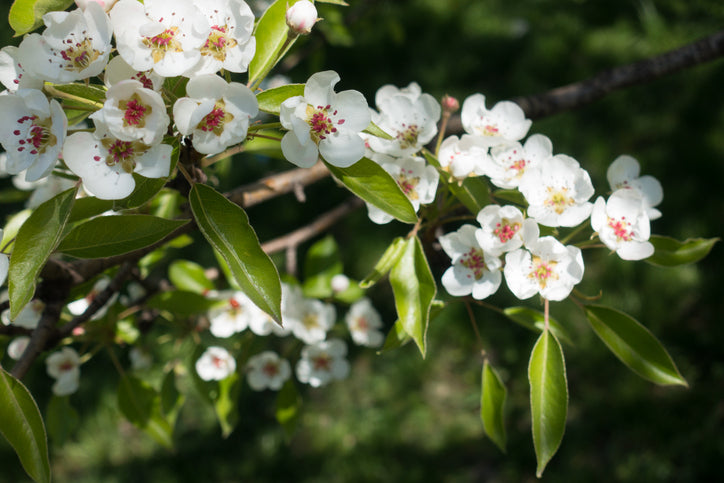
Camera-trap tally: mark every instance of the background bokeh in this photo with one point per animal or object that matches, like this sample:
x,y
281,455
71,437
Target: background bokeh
x,y
400,418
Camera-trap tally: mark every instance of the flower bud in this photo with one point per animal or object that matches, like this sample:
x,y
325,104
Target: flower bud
x,y
106,4
450,104
301,17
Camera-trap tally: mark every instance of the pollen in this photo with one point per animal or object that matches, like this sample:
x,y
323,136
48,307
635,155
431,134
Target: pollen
x,y
474,260
321,123
558,199
163,43
217,43
134,112
505,230
621,228
408,183
215,120
543,271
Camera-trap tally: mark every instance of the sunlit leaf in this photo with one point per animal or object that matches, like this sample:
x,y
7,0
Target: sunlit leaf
x,y
396,337
669,252
181,302
22,426
548,397
270,100
414,289
376,186
26,15
226,227
385,263
535,320
634,345
107,236
225,404
377,131
189,276
36,240
492,406
473,192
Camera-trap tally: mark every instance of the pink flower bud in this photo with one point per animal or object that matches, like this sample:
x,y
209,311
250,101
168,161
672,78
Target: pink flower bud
x,y
450,104
301,17
106,4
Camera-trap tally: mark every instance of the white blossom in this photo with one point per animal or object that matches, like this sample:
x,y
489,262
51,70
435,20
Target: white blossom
x,y
216,113
509,161
301,17
503,229
322,363
215,364
118,70
28,317
12,74
64,367
624,174
364,323
17,346
463,157
309,319
504,122
546,267
78,307
231,316
267,371
473,271
324,122
622,224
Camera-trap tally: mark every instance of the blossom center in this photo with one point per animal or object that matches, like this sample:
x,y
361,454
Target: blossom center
x,y
321,123
66,366
218,362
79,55
323,362
134,111
474,260
217,43
214,121
621,228
270,369
488,128
37,138
505,230
123,153
543,271
143,79
408,183
163,43
360,323
558,199
408,136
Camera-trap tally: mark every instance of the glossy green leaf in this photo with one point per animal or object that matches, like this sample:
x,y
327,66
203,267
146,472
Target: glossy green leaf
x,y
10,231
262,145
321,263
82,91
535,320
548,397
271,35
385,263
88,207
189,276
270,100
27,15
36,240
396,337
62,419
511,196
288,405
135,400
107,236
377,131
171,398
181,302
492,406
414,289
145,190
373,184
226,227
225,403
335,2
669,252
634,345
473,192
22,426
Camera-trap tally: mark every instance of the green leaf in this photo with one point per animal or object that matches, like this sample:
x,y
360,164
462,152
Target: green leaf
x,y
62,419
22,426
320,265
225,404
271,35
473,192
135,400
548,397
288,404
373,184
377,131
107,236
88,207
27,15
414,289
385,263
262,145
82,91
535,320
189,276
669,252
634,345
36,240
511,196
492,406
145,190
171,398
181,302
270,100
10,231
226,227
397,337
335,2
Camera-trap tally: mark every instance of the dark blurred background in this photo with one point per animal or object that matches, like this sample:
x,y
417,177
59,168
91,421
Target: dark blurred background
x,y
400,418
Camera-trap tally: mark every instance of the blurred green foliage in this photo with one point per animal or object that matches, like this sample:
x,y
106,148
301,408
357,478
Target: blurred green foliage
x,y
400,418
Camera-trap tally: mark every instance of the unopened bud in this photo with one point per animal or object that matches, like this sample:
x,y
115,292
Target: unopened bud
x,y
106,4
339,283
450,104
301,17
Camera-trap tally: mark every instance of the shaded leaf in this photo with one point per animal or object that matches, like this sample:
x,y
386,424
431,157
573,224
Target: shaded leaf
x,y
634,345
321,263
535,320
181,302
36,240
82,91
414,289
62,419
548,397
226,227
225,404
135,400
473,192
189,276
107,236
492,406
287,408
669,252
270,100
376,186
22,426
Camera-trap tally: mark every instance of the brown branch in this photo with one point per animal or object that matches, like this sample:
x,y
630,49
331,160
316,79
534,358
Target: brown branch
x,y
291,240
277,185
